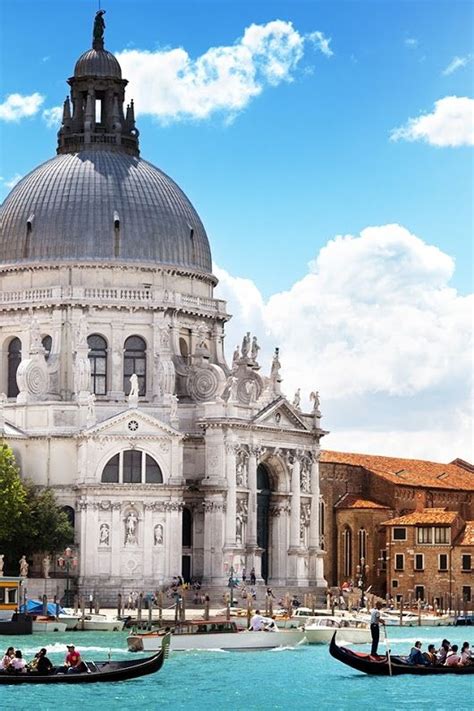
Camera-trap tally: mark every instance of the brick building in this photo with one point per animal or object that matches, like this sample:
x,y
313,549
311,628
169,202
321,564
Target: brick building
x,y
361,492
430,554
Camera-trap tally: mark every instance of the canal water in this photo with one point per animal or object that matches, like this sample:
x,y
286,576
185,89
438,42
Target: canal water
x,y
302,678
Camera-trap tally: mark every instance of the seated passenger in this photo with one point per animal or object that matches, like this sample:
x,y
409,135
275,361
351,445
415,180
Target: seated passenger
x,y
443,651
416,656
43,664
7,659
453,658
18,664
466,655
73,660
430,655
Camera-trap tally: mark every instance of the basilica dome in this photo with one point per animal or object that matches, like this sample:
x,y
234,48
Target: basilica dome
x,y
101,205
97,200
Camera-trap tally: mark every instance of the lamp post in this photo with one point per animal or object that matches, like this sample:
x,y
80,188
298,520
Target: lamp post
x,y
362,573
67,561
232,582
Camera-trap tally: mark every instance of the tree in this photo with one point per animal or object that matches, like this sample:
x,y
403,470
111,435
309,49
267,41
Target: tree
x,y
30,520
13,508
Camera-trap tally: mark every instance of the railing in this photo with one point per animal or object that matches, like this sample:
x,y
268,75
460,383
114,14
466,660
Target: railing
x,y
149,298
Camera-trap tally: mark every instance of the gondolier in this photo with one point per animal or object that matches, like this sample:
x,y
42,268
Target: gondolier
x,y
375,622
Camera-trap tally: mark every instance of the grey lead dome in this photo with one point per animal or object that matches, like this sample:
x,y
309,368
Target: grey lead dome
x,y
97,63
101,205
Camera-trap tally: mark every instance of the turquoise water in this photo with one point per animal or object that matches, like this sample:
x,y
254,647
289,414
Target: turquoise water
x,y
303,678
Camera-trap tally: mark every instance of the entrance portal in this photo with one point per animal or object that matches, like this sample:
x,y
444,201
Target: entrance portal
x,y
263,508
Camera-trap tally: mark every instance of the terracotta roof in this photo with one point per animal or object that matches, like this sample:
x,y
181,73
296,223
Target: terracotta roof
x,y
407,472
352,501
468,535
424,517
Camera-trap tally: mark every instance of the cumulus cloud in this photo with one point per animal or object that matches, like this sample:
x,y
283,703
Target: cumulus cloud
x,y
450,124
375,326
18,106
53,116
171,85
455,64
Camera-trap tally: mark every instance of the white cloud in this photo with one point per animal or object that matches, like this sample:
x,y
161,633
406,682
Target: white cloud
x,y
170,85
411,42
321,42
18,106
53,116
376,328
455,64
450,124
11,182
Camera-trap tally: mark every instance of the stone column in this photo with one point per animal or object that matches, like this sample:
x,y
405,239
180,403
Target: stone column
x,y
83,523
213,541
316,555
175,512
252,485
295,503
116,535
231,497
148,571
115,363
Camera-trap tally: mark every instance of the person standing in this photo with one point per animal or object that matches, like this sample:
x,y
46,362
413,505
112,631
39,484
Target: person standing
x,y
253,579
375,622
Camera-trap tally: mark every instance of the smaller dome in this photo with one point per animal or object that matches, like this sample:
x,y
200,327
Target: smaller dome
x,y
97,63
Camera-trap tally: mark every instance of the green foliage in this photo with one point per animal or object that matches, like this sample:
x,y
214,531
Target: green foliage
x,y
30,520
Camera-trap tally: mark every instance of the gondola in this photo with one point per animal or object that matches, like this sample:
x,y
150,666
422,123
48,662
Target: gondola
x,y
364,662
97,671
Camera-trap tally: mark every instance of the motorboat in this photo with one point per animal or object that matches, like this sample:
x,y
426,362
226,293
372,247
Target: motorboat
x,y
15,623
217,634
100,623
389,665
45,625
96,671
301,616
319,630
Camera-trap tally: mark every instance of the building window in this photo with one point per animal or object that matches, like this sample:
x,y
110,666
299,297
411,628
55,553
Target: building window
x,y
399,534
98,360
134,361
47,343
442,562
362,537
419,592
14,360
394,583
70,513
187,528
399,561
466,563
419,561
383,560
466,593
424,534
347,552
441,534
132,467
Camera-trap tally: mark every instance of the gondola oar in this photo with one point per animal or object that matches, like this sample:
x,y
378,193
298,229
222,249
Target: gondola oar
x,y
388,651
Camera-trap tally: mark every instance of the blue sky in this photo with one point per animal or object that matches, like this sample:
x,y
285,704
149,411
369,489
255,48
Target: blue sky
x,y
308,157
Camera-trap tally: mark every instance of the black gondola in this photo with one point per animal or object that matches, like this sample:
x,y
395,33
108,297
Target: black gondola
x,y
364,662
96,671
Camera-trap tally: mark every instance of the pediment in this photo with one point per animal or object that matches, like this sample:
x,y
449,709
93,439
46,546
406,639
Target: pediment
x,y
132,422
281,415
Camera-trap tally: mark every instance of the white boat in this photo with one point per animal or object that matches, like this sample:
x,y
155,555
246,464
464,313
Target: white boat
x,y
302,615
319,630
217,634
100,623
45,625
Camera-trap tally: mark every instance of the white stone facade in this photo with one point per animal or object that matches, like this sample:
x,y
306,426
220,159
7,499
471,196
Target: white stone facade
x,y
206,425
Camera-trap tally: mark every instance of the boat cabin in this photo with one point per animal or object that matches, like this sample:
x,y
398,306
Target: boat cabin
x,y
205,627
10,593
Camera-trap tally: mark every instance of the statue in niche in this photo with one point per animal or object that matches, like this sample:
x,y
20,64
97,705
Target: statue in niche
x,y
158,534
81,332
46,566
91,408
35,336
297,399
246,345
173,407
231,387
238,529
305,476
252,391
104,534
23,567
99,25
131,523
255,349
241,469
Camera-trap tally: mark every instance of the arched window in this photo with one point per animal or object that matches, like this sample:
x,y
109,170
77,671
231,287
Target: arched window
x,y
98,360
362,536
321,524
132,467
47,343
183,347
187,528
70,513
347,552
14,360
134,361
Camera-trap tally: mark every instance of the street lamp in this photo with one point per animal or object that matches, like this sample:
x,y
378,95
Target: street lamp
x,y
67,561
232,581
362,573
